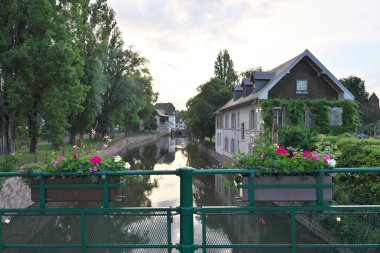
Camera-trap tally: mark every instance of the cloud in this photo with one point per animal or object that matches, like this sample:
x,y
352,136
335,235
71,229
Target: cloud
x,y
182,38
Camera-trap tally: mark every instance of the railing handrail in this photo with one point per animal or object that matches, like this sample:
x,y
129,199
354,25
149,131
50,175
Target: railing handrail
x,y
176,172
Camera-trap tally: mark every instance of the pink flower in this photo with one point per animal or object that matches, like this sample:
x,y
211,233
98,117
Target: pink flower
x,y
93,169
306,154
315,156
96,159
327,157
282,151
263,155
105,145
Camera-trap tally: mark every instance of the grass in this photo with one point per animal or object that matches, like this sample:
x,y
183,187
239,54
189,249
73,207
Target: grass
x,y
45,153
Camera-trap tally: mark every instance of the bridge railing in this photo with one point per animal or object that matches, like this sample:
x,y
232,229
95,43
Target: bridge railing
x,y
336,228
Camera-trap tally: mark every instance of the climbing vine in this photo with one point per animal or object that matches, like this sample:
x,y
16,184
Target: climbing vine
x,y
319,108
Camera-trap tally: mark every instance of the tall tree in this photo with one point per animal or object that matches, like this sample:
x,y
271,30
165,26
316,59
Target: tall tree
x,y
357,87
98,22
201,108
13,58
224,68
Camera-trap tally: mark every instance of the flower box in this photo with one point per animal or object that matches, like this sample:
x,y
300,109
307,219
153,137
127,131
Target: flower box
x,y
92,192
295,193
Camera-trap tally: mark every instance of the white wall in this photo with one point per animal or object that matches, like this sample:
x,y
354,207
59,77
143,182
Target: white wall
x,y
231,133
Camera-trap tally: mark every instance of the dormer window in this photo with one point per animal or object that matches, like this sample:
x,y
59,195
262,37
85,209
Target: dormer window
x,y
301,87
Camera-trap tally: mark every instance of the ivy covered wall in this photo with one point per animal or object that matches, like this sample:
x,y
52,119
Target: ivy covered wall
x,y
320,109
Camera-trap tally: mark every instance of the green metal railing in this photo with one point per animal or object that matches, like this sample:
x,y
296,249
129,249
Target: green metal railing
x,y
328,223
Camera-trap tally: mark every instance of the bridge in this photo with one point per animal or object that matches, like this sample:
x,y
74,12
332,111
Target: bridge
x,y
125,229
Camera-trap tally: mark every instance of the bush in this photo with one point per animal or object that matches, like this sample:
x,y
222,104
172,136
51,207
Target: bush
x,y
297,137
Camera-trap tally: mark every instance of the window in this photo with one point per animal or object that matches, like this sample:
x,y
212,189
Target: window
x,y
242,131
226,121
278,116
233,121
219,139
336,116
253,119
226,144
232,146
301,87
238,119
309,118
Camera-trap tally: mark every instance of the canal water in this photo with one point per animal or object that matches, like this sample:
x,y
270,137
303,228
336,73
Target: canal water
x,y
163,191
208,190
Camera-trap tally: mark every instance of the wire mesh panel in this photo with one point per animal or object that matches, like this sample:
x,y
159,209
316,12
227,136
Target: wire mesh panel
x,y
345,231
83,230
246,231
132,228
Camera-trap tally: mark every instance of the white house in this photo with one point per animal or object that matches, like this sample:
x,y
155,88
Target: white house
x,y
240,120
169,110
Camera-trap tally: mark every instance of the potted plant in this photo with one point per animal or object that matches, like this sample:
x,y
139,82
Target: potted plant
x,y
89,182
285,174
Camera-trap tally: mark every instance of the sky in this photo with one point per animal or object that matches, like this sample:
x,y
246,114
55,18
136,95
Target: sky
x,y
182,38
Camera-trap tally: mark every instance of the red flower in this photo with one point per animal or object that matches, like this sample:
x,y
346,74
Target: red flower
x,y
282,151
76,155
306,154
96,159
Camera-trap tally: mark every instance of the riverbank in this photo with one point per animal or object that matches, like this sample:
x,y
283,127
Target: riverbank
x,y
222,159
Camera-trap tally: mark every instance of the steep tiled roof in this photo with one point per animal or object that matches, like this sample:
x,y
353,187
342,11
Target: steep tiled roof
x,y
276,74
168,108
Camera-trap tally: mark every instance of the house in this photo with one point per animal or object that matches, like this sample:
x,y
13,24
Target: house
x,y
167,109
180,122
240,121
162,121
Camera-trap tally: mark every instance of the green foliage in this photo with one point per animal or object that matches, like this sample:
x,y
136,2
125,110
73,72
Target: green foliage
x,y
295,111
357,87
296,136
9,162
200,117
224,68
361,189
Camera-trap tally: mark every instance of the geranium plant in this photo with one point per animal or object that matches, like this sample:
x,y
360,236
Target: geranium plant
x,y
279,159
87,163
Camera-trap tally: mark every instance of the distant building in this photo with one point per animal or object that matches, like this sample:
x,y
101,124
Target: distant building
x,y
179,121
166,109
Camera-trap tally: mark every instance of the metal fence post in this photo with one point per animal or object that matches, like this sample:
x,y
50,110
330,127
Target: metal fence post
x,y
42,191
186,210
106,189
1,232
294,232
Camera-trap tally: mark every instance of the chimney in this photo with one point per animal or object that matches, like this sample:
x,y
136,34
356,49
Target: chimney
x,y
238,91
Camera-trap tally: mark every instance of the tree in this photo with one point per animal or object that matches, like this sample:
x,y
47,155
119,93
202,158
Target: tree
x,y
224,68
247,73
357,87
201,108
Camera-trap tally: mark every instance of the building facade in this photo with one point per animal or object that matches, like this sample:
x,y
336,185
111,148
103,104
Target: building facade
x,y
240,121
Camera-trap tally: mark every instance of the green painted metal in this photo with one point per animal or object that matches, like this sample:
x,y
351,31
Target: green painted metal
x,y
186,210
204,235
42,191
294,235
251,190
106,197
83,230
1,232
285,186
169,221
319,189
